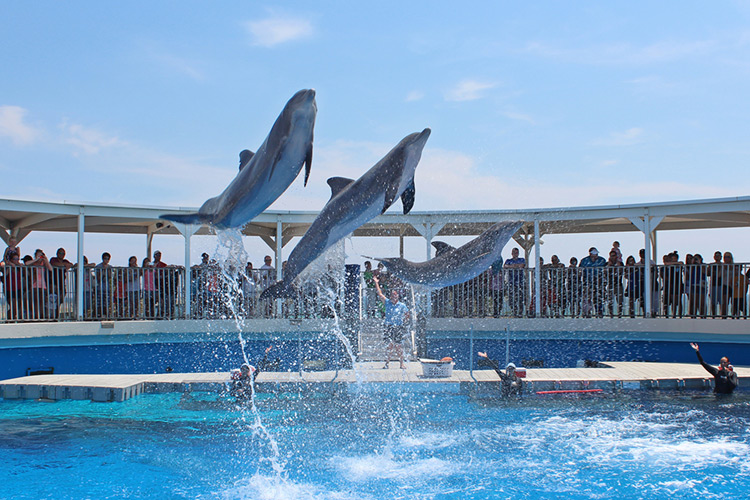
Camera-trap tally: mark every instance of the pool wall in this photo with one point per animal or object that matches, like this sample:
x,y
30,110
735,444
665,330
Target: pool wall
x,y
199,346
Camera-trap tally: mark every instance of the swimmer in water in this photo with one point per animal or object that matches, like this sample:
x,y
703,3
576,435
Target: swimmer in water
x,y
725,379
511,383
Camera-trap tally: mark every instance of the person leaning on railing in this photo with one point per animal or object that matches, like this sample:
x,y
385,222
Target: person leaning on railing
x,y
515,267
41,267
13,276
737,284
573,289
696,286
59,277
593,287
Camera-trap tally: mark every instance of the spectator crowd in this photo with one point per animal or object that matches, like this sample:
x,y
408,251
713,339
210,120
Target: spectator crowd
x,y
36,288
599,286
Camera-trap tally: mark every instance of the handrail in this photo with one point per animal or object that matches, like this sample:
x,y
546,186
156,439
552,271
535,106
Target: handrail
x,y
715,290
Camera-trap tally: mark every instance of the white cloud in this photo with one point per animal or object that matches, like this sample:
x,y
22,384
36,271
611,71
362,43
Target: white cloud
x,y
519,117
451,180
180,65
468,90
624,53
88,140
627,138
414,95
277,30
13,127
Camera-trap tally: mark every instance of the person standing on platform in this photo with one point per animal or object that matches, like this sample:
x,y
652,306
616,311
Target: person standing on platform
x,y
725,379
396,318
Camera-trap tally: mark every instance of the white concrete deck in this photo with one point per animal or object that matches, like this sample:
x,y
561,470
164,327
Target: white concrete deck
x,y
621,375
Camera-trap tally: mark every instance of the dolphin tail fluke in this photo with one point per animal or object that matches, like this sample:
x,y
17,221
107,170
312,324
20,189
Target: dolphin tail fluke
x,y
194,218
278,290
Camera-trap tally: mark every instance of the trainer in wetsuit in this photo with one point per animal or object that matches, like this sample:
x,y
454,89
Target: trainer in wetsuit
x,y
511,383
725,379
243,379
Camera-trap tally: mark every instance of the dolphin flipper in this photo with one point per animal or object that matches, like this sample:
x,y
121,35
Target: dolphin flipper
x,y
407,197
308,162
390,196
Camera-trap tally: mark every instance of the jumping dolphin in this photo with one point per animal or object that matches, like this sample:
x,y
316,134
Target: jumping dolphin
x,y
354,203
455,265
265,175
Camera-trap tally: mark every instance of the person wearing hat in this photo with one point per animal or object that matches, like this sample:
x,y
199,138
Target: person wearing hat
x,y
725,379
593,288
511,383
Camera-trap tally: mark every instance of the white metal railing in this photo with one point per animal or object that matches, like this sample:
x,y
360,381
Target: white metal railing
x,y
134,293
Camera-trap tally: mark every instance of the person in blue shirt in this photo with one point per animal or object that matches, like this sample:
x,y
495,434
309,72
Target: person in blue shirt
x,y
593,287
396,318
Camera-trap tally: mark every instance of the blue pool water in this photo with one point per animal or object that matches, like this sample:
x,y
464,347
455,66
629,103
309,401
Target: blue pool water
x,y
384,443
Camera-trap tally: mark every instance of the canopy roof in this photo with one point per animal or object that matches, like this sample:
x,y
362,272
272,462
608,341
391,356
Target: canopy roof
x,y
19,217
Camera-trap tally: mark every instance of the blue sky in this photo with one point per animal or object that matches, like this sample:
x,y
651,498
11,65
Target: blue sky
x,y
536,104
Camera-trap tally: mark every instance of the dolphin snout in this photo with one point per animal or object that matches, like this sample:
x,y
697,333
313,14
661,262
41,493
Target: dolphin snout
x,y
305,96
419,140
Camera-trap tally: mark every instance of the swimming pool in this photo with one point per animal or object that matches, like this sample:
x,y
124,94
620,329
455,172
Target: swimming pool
x,y
378,443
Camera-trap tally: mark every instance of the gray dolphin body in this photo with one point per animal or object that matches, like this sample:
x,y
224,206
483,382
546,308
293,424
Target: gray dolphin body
x,y
354,203
265,175
455,265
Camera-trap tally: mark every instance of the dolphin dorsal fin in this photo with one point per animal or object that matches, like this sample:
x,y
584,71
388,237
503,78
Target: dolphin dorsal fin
x,y
338,184
441,247
245,156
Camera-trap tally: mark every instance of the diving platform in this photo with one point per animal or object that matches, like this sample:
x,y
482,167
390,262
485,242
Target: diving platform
x,y
609,377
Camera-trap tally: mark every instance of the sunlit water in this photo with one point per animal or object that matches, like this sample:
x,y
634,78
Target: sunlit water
x,y
378,445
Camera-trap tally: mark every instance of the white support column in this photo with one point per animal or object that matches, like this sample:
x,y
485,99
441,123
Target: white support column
x,y
428,230
187,231
80,269
648,292
279,246
537,272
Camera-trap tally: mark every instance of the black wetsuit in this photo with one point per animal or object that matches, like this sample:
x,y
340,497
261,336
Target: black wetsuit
x,y
510,384
725,381
242,388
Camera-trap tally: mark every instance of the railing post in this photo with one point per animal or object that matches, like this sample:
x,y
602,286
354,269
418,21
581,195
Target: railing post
x,y
537,272
279,276
80,269
648,292
187,277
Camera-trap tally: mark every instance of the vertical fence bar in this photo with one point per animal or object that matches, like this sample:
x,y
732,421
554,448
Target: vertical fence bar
x,y
80,269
